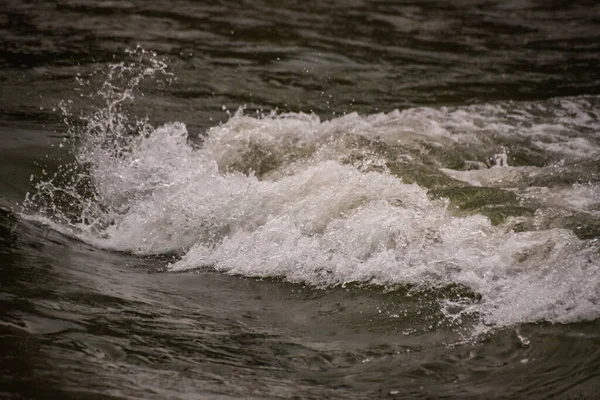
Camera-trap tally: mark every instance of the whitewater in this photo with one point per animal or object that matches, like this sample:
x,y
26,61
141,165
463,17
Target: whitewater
x,y
333,202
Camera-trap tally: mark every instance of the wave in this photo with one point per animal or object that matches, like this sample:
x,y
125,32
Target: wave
x,y
478,196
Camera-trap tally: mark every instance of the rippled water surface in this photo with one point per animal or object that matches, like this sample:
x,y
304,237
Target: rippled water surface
x,y
305,200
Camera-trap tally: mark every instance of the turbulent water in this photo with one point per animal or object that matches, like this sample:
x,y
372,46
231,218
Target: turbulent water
x,y
295,200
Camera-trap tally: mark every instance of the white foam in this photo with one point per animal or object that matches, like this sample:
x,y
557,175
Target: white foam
x,y
318,220
576,198
495,176
325,223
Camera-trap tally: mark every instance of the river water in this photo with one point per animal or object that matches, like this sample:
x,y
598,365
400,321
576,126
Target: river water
x,y
254,199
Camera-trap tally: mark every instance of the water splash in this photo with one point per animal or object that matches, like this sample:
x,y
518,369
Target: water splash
x,y
501,159
353,199
78,195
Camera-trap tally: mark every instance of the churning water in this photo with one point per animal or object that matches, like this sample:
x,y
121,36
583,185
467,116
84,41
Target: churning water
x,y
368,200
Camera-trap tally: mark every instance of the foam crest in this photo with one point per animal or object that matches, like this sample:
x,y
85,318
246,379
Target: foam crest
x,y
328,223
521,277
327,203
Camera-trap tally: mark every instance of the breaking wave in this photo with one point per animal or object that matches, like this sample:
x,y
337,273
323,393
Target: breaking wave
x,y
496,198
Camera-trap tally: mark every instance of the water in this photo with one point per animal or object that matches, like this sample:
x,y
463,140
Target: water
x,y
250,200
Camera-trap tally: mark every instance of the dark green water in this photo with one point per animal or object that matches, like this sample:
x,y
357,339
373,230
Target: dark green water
x,y
405,204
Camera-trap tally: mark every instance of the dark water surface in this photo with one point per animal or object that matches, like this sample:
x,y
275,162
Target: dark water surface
x,y
406,205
